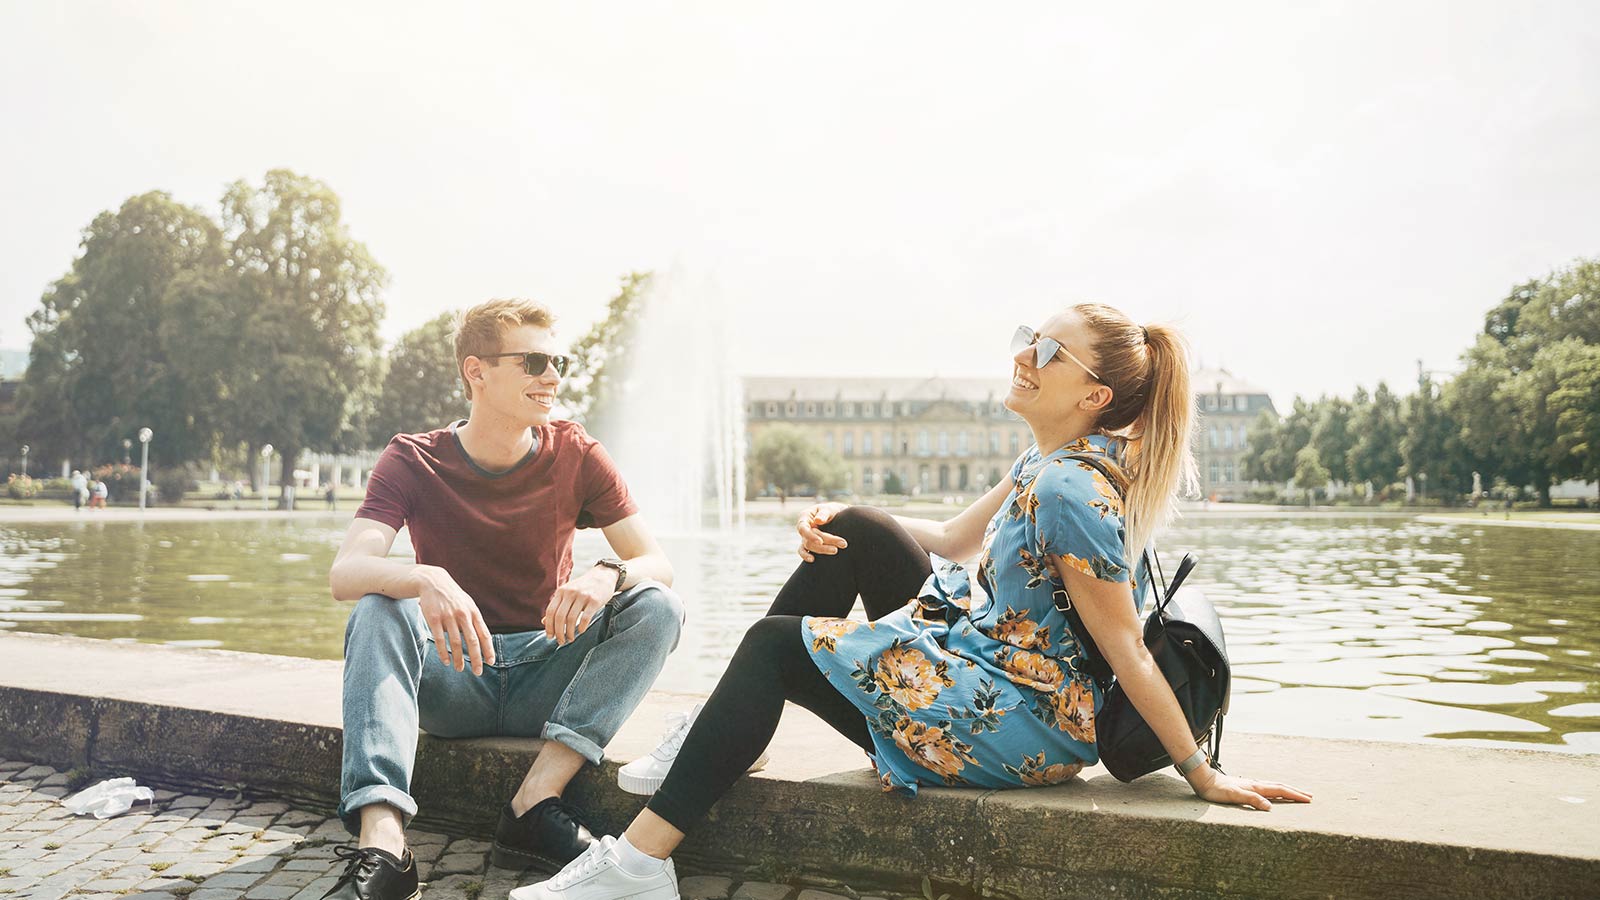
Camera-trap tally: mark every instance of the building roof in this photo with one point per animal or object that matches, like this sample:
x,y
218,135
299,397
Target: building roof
x,y
804,387
1221,381
874,389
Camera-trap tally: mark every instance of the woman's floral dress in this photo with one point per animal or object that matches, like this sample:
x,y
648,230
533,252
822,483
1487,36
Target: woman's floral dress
x,y
987,688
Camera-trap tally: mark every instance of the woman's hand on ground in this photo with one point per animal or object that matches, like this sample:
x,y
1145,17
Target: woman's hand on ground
x,y
1219,787
459,633
812,539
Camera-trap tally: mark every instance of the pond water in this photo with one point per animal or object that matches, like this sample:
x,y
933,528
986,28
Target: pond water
x,y
1363,626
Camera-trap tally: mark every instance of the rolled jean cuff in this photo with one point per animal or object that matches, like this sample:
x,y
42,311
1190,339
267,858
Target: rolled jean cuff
x,y
586,748
350,807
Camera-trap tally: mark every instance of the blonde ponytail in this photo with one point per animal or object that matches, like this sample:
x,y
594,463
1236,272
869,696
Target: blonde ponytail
x,y
1153,410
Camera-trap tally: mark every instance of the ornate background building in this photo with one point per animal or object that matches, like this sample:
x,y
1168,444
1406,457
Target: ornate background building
x,y
954,435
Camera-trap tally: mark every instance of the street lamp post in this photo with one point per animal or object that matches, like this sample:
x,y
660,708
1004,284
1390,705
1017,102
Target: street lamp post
x,y
145,435
24,460
266,473
126,446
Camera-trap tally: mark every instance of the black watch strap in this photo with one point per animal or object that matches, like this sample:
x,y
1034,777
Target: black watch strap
x,y
611,562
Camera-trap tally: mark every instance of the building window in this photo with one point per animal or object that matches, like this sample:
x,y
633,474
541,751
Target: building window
x,y
791,410
811,409
867,410
923,447
827,440
888,442
961,444
827,410
1227,471
772,409
1215,467
1211,401
994,443
1014,442
849,443
1242,444
866,443
944,443
866,479
1227,437
1211,438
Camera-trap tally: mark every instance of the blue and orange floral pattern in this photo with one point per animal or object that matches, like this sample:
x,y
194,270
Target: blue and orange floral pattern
x,y
980,681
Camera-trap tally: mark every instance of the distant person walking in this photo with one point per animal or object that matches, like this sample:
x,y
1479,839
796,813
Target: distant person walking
x,y
331,495
80,489
99,492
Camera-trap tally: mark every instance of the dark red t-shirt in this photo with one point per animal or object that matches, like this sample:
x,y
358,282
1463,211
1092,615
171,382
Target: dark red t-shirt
x,y
505,537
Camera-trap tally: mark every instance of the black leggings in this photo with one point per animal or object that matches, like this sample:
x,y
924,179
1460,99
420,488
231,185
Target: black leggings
x,y
886,567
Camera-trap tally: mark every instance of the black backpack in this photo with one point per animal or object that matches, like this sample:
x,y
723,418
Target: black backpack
x,y
1184,636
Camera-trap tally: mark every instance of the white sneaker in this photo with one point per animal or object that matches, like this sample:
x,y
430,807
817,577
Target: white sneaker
x,y
645,774
597,875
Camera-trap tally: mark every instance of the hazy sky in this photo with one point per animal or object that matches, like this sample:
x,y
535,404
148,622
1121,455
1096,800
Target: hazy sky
x,y
1320,194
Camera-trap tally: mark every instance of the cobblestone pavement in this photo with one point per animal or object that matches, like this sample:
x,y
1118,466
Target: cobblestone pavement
x,y
202,847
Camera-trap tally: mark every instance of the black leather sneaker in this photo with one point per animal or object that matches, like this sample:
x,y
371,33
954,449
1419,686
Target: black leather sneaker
x,y
374,874
545,838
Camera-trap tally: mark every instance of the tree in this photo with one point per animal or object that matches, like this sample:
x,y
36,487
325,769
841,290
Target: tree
x,y
893,485
1575,403
1260,457
1273,444
1429,449
309,353
599,357
1556,403
1332,437
1375,455
113,339
422,388
1309,472
786,459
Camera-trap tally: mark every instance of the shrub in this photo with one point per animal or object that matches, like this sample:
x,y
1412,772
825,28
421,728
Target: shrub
x,y
172,483
21,487
122,481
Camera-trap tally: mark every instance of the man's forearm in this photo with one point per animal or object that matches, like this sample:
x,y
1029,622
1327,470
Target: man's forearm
x,y
358,576
649,567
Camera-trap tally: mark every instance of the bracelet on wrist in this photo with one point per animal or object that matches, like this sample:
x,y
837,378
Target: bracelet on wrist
x,y
1196,759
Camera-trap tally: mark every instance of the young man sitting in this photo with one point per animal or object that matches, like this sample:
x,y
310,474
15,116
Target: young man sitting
x,y
492,631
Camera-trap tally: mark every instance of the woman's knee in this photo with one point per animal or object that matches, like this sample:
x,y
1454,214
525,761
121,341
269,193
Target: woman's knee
x,y
854,523
767,636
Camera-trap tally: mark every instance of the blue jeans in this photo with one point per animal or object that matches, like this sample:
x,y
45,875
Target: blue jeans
x,y
579,694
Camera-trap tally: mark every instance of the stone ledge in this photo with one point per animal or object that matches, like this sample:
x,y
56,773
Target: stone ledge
x,y
1414,820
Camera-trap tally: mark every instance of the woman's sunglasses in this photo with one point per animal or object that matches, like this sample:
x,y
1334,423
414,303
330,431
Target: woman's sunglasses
x,y
1044,349
535,362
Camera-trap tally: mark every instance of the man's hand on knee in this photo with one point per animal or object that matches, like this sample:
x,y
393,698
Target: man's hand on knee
x,y
459,633
576,604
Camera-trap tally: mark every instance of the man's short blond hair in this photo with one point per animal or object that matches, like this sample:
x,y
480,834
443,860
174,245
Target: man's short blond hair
x,y
479,329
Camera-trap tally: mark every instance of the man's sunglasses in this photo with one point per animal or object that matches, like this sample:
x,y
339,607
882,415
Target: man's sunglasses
x,y
1044,349
535,362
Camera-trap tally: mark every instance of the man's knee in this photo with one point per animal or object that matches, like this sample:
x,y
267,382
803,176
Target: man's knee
x,y
659,606
377,611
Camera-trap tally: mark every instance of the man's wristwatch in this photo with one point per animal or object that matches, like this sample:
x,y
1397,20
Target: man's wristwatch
x,y
611,562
